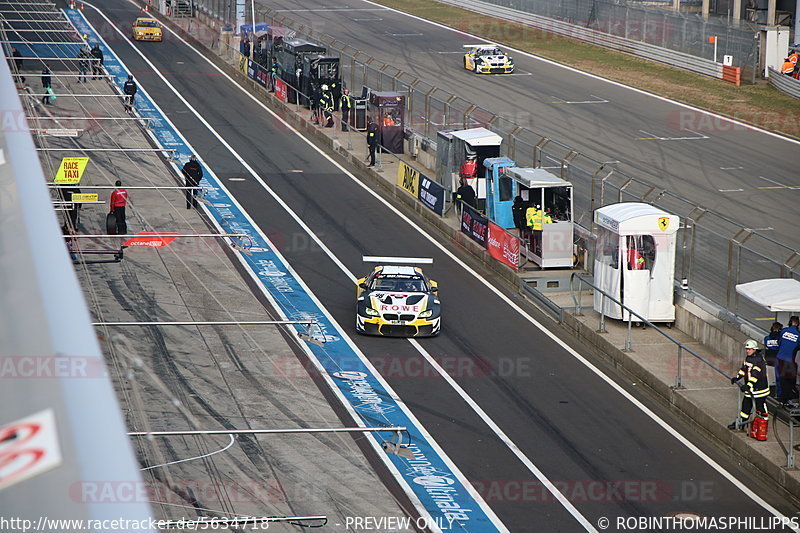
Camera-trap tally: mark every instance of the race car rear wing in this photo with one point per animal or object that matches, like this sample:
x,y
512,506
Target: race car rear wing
x,y
484,45
397,260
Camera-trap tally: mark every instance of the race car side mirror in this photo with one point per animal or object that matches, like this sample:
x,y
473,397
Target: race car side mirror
x,y
362,285
434,289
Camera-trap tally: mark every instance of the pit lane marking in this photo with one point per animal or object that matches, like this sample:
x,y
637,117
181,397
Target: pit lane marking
x,y
654,137
415,34
597,100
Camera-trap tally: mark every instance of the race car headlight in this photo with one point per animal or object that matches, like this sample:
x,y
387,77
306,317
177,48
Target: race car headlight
x,y
371,312
426,314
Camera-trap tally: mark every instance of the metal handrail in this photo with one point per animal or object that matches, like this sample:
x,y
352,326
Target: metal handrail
x,y
631,313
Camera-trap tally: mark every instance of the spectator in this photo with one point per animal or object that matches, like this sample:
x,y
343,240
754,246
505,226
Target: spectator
x,y
193,173
118,201
130,91
97,61
771,344
755,386
785,365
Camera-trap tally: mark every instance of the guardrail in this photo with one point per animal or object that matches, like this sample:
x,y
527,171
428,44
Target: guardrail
x,y
628,341
785,84
644,50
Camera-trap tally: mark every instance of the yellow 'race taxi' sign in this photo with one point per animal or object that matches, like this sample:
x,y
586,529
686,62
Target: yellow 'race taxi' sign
x,y
71,169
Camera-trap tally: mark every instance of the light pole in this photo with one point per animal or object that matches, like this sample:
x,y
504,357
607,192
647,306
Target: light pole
x,y
252,43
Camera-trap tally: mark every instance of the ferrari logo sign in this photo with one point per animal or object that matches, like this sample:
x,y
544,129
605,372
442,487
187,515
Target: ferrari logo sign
x,y
663,223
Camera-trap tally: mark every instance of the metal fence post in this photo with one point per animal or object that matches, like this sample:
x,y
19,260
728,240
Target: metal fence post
x,y
628,345
602,328
678,380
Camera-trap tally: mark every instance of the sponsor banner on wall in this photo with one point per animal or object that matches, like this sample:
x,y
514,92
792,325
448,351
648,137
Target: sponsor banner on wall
x,y
280,89
503,246
474,224
258,73
431,194
408,178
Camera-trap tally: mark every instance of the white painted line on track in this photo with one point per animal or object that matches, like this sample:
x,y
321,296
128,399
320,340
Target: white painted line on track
x,y
403,34
643,408
731,168
730,190
654,137
598,100
596,77
503,437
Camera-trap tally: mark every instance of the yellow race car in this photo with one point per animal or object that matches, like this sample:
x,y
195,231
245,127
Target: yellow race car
x,y
398,300
147,29
487,59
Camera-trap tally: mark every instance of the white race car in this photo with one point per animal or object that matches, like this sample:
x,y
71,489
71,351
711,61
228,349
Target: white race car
x,y
487,59
396,299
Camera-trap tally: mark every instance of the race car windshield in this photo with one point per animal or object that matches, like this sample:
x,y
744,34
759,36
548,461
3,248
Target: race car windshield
x,y
491,52
147,24
399,285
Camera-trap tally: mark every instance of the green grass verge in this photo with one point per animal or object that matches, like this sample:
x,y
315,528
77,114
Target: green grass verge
x,y
758,104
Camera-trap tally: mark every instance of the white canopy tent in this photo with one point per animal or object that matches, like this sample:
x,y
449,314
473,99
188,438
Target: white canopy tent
x,y
779,295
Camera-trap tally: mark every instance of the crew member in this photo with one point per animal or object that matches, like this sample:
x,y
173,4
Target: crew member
x,y
193,172
273,74
83,64
787,67
755,386
345,104
388,120
469,168
535,217
118,201
466,194
18,61
785,366
97,62
326,104
372,140
518,213
130,91
771,343
46,84
635,258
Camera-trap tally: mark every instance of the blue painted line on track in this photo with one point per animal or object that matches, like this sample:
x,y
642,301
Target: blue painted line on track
x,y
450,503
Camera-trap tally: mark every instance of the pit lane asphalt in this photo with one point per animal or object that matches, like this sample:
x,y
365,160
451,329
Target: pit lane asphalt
x,y
692,168
568,422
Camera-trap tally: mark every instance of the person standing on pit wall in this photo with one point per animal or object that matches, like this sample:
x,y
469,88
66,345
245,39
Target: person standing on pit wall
x,y
46,84
771,344
785,366
118,201
346,104
97,61
373,134
326,104
129,88
518,214
535,219
755,386
466,194
193,173
273,74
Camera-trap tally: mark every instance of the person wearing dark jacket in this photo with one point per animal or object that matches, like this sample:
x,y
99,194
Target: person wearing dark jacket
x,y
771,343
97,61
518,212
345,104
18,62
373,135
129,89
193,172
466,193
755,386
46,84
